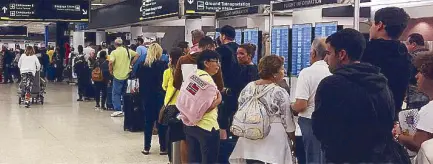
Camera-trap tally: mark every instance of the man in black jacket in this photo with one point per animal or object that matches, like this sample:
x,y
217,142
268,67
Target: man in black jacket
x,y
386,52
7,64
354,112
230,72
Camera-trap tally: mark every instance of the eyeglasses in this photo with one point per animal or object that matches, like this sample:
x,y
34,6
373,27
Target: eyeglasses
x,y
217,61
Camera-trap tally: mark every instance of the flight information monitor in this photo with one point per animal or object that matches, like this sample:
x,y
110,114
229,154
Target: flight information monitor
x,y
301,46
238,38
325,29
252,36
280,43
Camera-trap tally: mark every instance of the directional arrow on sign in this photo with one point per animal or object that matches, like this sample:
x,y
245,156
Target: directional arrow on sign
x,y
4,9
190,2
84,12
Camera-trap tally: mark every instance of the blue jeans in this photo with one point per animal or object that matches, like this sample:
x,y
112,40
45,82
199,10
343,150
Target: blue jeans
x,y
313,150
119,88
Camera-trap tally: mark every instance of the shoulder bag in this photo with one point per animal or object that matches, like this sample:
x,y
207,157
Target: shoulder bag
x,y
168,113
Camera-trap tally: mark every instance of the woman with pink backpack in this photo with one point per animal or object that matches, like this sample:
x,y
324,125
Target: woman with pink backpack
x,y
197,104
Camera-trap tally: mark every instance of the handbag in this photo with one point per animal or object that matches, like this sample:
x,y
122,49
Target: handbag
x,y
168,113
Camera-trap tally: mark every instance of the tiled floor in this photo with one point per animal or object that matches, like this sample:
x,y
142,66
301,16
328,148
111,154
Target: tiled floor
x,y
65,131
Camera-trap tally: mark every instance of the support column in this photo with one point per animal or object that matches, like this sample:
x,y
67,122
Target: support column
x,y
100,37
62,37
190,25
356,14
46,36
78,39
136,31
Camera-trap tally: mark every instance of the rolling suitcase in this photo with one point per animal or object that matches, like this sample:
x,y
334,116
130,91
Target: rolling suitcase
x,y
90,91
109,101
51,73
134,113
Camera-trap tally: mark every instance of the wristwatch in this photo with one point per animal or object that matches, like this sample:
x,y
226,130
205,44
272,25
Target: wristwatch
x,y
396,137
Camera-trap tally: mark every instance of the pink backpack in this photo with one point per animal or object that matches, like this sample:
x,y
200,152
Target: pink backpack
x,y
195,97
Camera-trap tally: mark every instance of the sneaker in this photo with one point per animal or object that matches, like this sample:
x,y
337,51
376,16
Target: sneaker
x,y
79,99
97,106
117,114
163,153
27,104
145,152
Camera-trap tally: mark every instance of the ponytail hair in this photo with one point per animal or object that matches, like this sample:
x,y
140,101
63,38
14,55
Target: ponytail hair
x,y
175,54
250,48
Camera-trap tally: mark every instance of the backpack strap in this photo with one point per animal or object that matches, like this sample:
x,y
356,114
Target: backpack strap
x,y
264,91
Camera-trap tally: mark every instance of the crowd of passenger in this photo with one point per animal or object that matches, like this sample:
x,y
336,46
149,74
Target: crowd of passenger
x,y
346,103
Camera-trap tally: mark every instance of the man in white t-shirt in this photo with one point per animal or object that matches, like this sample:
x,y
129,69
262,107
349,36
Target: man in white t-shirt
x,y
306,86
424,128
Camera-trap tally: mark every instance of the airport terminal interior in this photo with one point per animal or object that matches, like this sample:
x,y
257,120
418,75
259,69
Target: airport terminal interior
x,y
92,81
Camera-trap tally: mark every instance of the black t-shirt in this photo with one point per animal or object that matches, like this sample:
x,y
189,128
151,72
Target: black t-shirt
x,y
248,73
229,63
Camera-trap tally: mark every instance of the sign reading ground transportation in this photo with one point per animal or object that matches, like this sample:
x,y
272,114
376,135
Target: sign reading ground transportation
x,y
45,10
153,9
280,43
301,46
294,4
212,6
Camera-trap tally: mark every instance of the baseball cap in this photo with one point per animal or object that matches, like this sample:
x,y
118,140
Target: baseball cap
x,y
118,41
228,31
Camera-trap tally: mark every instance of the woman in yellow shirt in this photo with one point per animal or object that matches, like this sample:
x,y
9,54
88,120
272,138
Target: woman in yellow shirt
x,y
175,130
204,139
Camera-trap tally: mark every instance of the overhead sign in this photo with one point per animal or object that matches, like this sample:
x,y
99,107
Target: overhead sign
x,y
66,10
294,4
212,6
154,9
45,10
20,10
241,11
13,31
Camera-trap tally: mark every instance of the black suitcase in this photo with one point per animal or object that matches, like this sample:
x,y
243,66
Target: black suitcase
x,y
109,101
134,113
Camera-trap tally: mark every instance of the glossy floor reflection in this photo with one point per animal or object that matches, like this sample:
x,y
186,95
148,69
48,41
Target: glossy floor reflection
x,y
65,131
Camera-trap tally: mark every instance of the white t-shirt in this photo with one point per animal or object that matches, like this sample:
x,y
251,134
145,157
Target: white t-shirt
x,y
307,83
99,52
425,122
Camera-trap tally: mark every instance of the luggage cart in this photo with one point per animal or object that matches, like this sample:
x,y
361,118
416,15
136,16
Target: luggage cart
x,y
37,92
